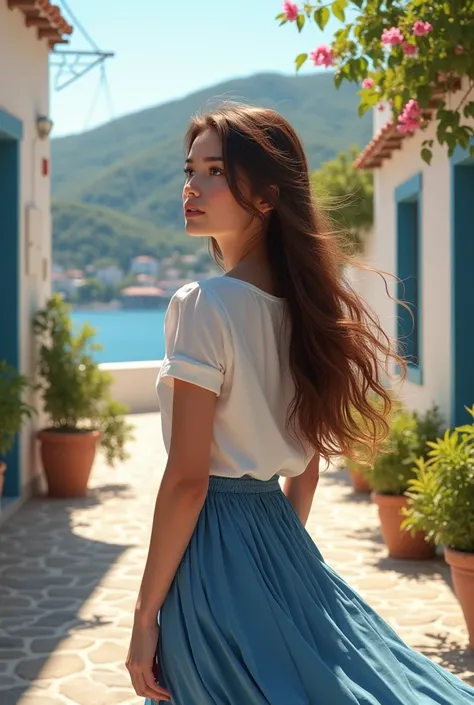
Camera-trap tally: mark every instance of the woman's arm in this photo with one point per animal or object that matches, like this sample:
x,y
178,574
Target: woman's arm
x,y
300,490
179,502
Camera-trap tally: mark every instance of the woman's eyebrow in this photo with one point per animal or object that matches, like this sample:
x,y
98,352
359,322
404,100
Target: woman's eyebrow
x,y
206,159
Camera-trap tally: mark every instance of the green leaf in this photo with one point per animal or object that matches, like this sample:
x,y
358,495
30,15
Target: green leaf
x,y
338,78
398,103
424,93
469,109
427,155
299,61
300,20
321,17
338,8
282,18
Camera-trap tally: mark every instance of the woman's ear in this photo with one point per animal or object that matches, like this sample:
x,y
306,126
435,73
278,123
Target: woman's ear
x,y
266,203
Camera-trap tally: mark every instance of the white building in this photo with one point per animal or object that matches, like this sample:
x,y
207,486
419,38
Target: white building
x,y
28,30
109,275
145,265
424,234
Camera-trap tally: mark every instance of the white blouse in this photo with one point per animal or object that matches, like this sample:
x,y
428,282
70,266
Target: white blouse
x,y
230,337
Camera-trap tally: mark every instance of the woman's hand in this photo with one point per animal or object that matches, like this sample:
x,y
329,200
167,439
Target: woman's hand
x,y
140,660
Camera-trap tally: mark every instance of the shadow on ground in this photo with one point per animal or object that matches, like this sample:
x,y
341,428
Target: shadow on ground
x,y
340,476
449,655
47,572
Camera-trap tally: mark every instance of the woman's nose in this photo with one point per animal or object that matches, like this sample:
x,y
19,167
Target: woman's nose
x,y
191,187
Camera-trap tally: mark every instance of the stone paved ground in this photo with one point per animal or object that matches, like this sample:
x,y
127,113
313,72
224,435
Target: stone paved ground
x,y
70,572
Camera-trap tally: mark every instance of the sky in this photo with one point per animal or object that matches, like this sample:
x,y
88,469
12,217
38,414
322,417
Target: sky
x,y
165,49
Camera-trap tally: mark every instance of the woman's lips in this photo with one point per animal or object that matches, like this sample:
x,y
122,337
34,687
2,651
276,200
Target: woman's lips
x,y
192,212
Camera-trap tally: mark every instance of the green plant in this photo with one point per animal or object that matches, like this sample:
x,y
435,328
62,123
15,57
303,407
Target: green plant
x,y
441,493
347,194
409,435
13,410
410,53
360,462
75,391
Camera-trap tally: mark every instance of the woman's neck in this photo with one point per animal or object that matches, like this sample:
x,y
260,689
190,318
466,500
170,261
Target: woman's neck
x,y
254,268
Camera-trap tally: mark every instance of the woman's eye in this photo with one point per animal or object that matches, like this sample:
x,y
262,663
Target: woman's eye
x,y
215,171
189,172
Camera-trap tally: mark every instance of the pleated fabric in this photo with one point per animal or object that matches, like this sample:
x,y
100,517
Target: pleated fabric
x,y
256,617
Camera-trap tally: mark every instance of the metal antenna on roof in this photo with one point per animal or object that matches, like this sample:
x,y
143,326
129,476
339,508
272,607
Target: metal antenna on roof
x,y
73,64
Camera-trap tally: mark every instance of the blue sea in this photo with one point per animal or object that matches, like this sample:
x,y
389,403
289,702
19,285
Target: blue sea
x,y
126,336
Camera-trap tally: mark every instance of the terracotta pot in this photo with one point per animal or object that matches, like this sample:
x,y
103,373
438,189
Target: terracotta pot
x,y
67,461
359,482
400,544
462,571
3,467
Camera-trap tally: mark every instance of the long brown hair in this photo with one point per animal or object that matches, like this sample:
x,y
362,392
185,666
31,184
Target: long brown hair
x,y
338,351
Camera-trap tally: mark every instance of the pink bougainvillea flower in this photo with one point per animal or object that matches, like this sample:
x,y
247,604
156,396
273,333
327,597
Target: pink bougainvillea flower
x,y
410,119
368,83
421,28
322,56
290,10
409,49
381,107
392,36
459,50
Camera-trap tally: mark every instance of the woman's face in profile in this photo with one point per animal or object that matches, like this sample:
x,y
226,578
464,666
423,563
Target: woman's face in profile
x,y
209,207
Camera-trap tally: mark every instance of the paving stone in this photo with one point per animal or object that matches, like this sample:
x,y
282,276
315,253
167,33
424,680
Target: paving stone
x,y
79,592
12,654
108,652
7,681
9,642
112,679
14,601
33,631
82,690
56,619
57,666
14,696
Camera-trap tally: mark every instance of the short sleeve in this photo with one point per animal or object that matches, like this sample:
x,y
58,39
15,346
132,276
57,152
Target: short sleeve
x,y
195,335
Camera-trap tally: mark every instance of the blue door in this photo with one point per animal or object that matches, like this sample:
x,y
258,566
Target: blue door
x,y
462,282
11,131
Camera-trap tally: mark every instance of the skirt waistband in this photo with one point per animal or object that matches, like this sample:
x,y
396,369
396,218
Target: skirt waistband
x,y
243,485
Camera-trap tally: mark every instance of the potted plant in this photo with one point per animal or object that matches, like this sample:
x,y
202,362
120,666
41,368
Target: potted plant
x,y
441,503
391,474
358,475
13,410
358,471
76,398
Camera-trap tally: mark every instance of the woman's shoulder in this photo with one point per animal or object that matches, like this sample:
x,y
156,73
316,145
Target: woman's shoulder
x,y
199,301
211,292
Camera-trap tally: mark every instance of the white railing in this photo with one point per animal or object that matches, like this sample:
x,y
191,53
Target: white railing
x,y
135,384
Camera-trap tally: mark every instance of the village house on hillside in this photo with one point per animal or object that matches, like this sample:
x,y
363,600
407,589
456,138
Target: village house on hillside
x,y
28,31
424,233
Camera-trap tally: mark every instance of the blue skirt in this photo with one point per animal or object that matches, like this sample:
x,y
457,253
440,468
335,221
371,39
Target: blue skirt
x,y
256,617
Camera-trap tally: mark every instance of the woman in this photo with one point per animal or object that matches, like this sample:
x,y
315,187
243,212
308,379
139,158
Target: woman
x,y
266,371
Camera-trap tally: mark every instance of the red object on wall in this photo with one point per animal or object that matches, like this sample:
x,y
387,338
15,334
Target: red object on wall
x,y
45,167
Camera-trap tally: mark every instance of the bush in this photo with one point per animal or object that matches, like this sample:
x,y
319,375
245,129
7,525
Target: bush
x,y
409,435
441,493
12,407
75,391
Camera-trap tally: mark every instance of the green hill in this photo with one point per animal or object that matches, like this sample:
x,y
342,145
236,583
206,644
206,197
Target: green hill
x,y
84,234
133,165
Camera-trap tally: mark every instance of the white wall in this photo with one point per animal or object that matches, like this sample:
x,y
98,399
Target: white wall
x,y
436,264
134,384
24,93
